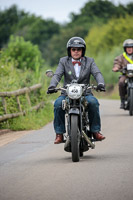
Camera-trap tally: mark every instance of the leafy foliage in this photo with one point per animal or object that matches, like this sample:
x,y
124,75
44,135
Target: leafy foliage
x,y
105,38
8,21
43,31
104,43
23,54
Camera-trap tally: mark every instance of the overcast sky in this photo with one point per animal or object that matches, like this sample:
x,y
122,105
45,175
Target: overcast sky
x,y
58,10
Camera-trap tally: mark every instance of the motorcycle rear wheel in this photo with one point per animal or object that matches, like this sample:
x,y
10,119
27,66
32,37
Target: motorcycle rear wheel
x,y
75,138
131,102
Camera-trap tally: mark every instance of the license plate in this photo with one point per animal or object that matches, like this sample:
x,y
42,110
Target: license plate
x,y
129,66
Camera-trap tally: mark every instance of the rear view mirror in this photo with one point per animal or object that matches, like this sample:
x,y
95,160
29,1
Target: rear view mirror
x,y
49,73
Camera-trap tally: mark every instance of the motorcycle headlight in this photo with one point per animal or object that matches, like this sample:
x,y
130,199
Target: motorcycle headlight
x,y
74,91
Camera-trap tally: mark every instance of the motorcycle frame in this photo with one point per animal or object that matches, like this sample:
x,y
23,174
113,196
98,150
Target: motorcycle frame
x,y
76,110
129,85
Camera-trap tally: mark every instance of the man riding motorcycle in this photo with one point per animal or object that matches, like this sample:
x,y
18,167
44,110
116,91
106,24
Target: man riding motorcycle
x,y
79,67
120,62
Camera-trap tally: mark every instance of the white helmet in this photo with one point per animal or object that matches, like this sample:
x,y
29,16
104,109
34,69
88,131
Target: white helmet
x,y
127,43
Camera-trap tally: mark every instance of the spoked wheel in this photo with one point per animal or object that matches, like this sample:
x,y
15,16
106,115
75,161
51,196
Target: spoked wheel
x,y
131,102
75,138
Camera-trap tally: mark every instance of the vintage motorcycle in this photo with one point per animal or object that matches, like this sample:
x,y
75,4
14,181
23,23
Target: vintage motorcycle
x,y
78,136
128,72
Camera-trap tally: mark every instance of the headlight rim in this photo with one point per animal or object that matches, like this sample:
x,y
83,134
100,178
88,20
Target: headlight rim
x,y
74,95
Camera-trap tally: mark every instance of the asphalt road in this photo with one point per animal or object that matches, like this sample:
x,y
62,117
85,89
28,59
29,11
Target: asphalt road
x,y
33,168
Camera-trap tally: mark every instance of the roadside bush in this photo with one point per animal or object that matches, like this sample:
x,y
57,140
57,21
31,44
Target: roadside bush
x,y
23,54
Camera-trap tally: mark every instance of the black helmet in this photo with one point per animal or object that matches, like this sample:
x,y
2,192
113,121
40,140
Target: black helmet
x,y
76,42
127,43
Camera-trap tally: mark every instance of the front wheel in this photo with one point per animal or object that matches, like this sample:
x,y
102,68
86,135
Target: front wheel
x,y
75,138
131,102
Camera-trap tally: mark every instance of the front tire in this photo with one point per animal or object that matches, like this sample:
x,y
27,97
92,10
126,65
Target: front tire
x,y
131,102
75,138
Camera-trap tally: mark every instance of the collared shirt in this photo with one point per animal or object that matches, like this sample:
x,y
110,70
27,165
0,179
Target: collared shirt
x,y
77,68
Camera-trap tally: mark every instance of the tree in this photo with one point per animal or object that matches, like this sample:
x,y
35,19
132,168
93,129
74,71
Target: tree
x,y
38,31
8,20
96,12
129,8
105,38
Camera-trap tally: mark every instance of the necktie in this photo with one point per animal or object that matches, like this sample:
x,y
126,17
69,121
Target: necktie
x,y
74,62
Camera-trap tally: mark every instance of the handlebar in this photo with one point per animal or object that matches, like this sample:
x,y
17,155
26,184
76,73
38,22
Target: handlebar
x,y
92,87
87,87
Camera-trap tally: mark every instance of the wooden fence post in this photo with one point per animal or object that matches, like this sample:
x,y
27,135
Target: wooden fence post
x,y
17,93
4,105
19,105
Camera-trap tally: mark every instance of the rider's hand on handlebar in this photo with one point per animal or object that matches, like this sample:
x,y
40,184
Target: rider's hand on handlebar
x,y
101,88
115,69
51,90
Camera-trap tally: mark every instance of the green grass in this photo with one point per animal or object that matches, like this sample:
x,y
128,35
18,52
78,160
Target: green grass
x,y
32,121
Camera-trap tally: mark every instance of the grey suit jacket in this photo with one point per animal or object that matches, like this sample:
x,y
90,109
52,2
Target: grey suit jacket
x,y
65,68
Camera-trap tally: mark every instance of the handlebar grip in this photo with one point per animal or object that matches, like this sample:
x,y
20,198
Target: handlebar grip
x,y
52,90
103,90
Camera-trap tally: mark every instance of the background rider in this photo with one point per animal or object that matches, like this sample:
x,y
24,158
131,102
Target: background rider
x,y
120,62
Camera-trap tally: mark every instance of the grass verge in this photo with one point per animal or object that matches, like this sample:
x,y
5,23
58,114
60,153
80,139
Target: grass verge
x,y
32,121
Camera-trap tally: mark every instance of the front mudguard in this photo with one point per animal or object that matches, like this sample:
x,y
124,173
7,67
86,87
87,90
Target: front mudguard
x,y
74,111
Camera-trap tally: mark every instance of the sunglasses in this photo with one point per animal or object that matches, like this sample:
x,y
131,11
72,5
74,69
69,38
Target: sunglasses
x,y
76,49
